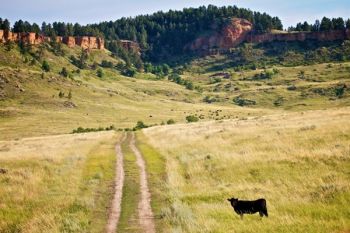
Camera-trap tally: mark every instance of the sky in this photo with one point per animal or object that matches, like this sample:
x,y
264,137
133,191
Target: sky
x,y
94,11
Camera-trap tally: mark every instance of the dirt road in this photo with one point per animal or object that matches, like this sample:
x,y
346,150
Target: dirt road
x,y
118,190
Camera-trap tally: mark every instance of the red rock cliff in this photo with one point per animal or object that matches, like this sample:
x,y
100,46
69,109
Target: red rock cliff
x,y
32,38
231,35
240,30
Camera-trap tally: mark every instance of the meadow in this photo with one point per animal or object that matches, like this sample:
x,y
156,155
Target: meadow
x,y
299,162
57,183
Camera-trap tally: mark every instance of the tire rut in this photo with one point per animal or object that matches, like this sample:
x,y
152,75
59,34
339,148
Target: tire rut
x,y
146,217
118,190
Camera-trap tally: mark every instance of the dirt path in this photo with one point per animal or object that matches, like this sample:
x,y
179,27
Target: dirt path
x,y
119,182
146,217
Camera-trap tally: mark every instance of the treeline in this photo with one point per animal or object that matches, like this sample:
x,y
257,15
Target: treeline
x,y
51,30
164,34
326,24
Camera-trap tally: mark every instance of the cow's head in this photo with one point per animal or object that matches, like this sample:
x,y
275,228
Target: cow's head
x,y
233,201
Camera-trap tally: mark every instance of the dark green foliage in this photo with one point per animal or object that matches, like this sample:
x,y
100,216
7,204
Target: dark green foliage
x,y
163,35
107,64
86,130
129,71
64,72
61,94
209,99
81,61
140,125
266,74
170,122
326,24
340,90
189,85
243,102
4,24
45,66
100,73
191,118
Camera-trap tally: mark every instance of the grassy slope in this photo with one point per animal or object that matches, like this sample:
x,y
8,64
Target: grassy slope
x,y
113,99
57,184
299,162
324,77
193,167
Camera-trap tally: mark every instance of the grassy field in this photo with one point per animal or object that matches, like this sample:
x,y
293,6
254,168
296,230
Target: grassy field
x,y
299,162
57,184
291,146
30,104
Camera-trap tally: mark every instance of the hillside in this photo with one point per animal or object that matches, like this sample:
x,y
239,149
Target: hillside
x,y
155,133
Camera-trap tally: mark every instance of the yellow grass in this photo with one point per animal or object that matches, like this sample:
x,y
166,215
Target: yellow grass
x,y
57,184
299,162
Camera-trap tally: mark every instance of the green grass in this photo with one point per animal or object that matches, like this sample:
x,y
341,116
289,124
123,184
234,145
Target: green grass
x,y
156,171
128,221
57,184
298,162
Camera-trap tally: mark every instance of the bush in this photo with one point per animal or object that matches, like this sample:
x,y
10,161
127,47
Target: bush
x,y
243,102
45,66
100,73
140,125
170,122
129,72
192,118
64,72
86,130
107,64
209,99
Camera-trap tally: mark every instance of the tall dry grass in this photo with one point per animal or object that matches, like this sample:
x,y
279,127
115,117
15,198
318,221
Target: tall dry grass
x,y
299,162
56,184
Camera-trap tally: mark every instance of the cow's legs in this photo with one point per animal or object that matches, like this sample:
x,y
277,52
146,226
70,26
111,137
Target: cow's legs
x,y
241,216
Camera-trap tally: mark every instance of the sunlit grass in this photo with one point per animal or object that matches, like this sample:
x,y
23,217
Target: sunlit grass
x,y
57,184
299,162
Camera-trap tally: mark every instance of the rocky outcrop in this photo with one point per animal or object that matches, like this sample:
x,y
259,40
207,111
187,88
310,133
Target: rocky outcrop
x,y
240,30
230,36
69,41
300,36
31,38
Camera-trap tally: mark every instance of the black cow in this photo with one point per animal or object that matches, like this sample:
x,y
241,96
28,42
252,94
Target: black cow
x,y
249,207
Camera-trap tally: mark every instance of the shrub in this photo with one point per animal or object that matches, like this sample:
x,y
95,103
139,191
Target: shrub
x,y
129,72
140,125
243,102
61,94
107,64
192,118
209,99
339,91
45,66
100,73
170,122
64,72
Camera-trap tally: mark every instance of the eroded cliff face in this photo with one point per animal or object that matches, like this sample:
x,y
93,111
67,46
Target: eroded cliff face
x,y
240,30
31,38
300,36
231,35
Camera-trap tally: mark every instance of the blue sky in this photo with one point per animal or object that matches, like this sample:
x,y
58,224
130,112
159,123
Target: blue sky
x,y
92,11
